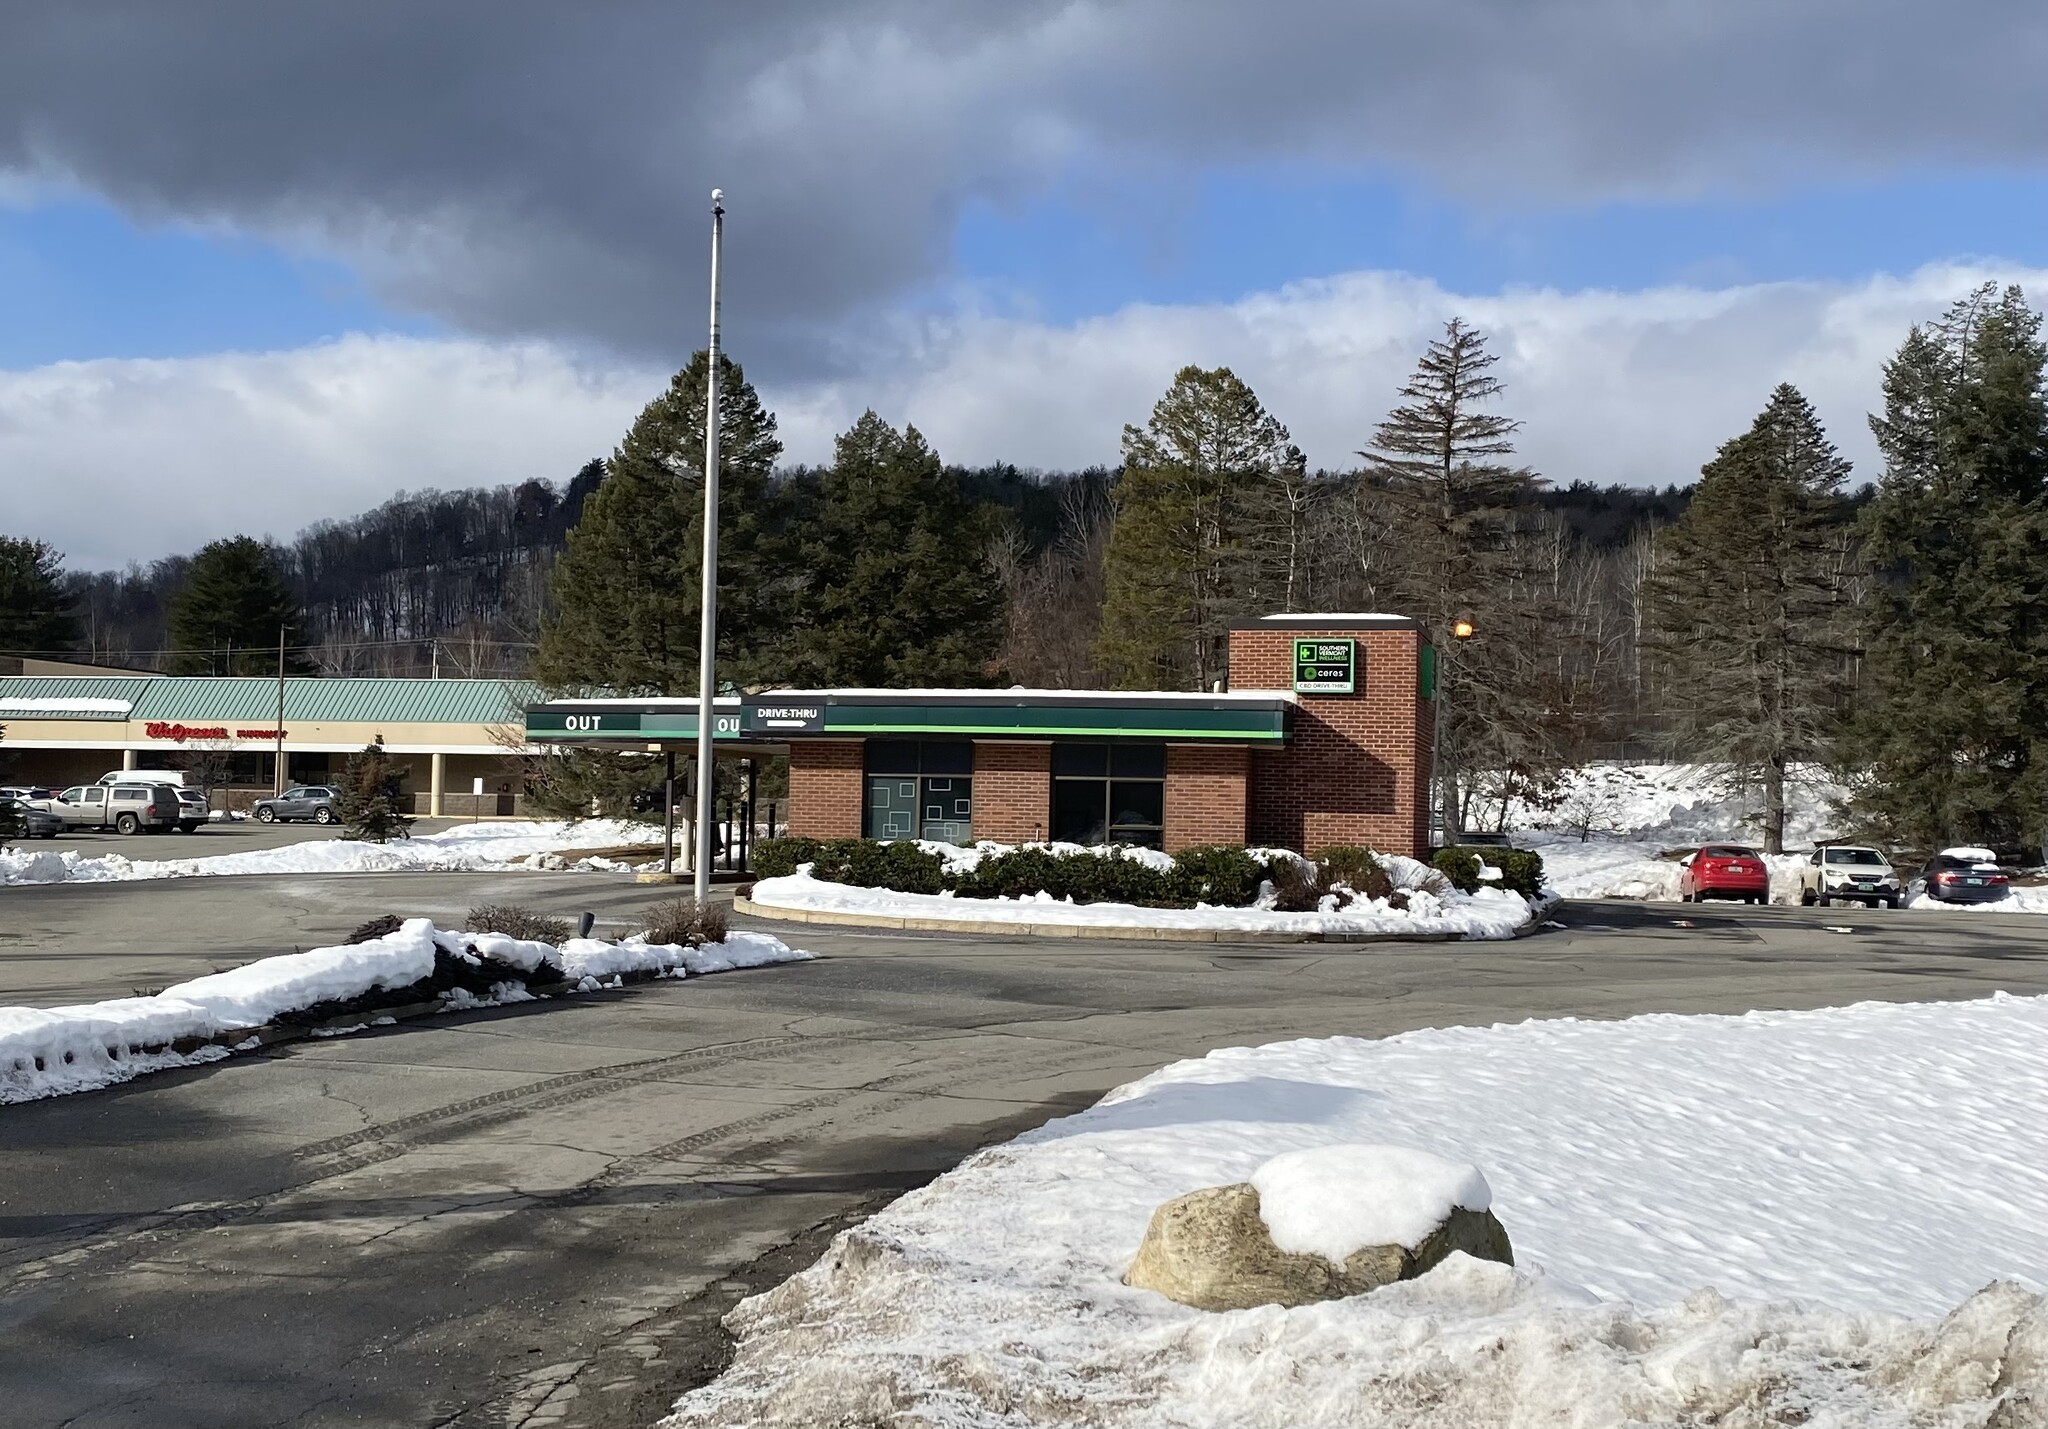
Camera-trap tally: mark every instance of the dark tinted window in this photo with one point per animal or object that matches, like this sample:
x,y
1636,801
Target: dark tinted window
x,y
1080,760
1137,761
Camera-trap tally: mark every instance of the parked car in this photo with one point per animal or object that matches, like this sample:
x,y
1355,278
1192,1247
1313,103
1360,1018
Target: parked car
x,y
1855,872
124,808
36,823
1963,875
193,810
173,777
319,802
27,793
1725,871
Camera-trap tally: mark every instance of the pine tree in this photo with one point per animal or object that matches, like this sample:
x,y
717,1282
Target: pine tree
x,y
1435,475
228,617
1951,740
369,799
35,611
626,589
1183,561
1750,619
902,589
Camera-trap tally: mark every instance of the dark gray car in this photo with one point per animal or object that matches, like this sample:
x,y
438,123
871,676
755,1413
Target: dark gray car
x,y
1964,875
320,803
35,823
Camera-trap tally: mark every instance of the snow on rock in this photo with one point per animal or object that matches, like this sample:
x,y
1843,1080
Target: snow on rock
x,y
1333,1200
470,848
51,1051
1728,1220
1488,913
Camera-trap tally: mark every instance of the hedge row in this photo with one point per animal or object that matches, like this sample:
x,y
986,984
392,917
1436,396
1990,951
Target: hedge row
x,y
1221,875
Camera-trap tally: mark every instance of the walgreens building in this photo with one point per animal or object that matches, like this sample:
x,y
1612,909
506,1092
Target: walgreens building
x,y
1322,738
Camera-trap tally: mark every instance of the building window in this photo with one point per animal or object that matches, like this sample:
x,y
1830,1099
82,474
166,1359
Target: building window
x,y
920,789
1109,793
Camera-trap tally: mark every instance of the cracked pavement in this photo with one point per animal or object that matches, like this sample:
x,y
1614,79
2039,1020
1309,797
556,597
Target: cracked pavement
x,y
537,1215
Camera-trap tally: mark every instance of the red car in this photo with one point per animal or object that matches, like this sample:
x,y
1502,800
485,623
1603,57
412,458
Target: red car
x,y
1725,871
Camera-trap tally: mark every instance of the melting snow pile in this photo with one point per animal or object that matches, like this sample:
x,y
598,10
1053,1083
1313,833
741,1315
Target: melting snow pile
x,y
475,848
54,1050
1752,1220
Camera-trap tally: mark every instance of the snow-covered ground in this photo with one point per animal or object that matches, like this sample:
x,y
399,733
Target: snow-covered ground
x,y
48,1051
1489,913
1732,1220
466,849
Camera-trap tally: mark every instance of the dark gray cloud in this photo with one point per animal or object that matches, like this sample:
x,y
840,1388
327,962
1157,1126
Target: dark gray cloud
x,y
527,167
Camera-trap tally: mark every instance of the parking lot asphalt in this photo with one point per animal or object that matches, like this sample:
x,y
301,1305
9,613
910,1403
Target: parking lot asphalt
x,y
536,1215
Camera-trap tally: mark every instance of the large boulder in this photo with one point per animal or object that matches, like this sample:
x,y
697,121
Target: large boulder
x,y
1215,1249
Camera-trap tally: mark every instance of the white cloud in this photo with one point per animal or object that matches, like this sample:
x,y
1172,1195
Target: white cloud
x,y
117,460
113,460
1636,387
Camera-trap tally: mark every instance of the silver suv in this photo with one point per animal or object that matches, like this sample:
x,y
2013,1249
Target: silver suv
x,y
319,802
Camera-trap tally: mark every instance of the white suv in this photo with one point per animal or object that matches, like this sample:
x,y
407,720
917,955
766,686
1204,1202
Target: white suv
x,y
1854,873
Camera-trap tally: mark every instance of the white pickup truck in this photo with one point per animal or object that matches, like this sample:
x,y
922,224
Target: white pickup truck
x,y
124,808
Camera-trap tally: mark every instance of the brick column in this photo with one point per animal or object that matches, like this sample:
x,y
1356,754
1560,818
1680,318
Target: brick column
x,y
1205,795
825,788
1356,770
1012,791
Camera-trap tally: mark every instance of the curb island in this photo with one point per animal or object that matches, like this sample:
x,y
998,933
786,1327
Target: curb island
x,y
983,927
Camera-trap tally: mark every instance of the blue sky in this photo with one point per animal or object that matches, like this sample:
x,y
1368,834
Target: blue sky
x,y
79,280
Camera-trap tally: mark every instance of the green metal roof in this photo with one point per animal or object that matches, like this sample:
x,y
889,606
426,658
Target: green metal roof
x,y
310,698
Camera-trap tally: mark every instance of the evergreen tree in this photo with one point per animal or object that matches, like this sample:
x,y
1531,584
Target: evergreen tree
x,y
1951,738
1198,480
1436,479
228,617
626,589
1749,613
369,797
902,587
35,611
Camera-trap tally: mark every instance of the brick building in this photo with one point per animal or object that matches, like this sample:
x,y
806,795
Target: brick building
x,y
1322,738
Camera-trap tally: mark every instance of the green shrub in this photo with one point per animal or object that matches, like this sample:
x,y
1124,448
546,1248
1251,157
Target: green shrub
x,y
830,858
1083,877
516,922
1295,885
902,866
1521,871
1460,865
1221,875
1358,869
778,858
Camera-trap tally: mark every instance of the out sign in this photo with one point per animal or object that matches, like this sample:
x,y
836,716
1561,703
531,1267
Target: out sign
x,y
1325,667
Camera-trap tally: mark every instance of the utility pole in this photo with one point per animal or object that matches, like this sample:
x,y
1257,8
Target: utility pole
x,y
277,774
707,630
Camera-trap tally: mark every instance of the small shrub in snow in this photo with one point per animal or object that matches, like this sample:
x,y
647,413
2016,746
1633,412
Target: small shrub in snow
x,y
778,858
1358,869
1221,875
1295,886
1460,865
1521,870
1084,877
374,929
516,922
688,923
900,865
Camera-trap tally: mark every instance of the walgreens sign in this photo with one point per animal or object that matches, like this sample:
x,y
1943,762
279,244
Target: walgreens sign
x,y
180,733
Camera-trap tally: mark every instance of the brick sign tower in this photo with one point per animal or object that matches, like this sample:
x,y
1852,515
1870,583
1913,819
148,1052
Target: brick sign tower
x,y
1357,767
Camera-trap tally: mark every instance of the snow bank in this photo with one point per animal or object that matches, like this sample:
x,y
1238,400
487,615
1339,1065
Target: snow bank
x,y
1882,1161
472,848
1333,1200
1676,804
51,1051
1488,913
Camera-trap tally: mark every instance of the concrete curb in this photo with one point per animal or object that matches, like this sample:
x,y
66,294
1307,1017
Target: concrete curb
x,y
981,927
